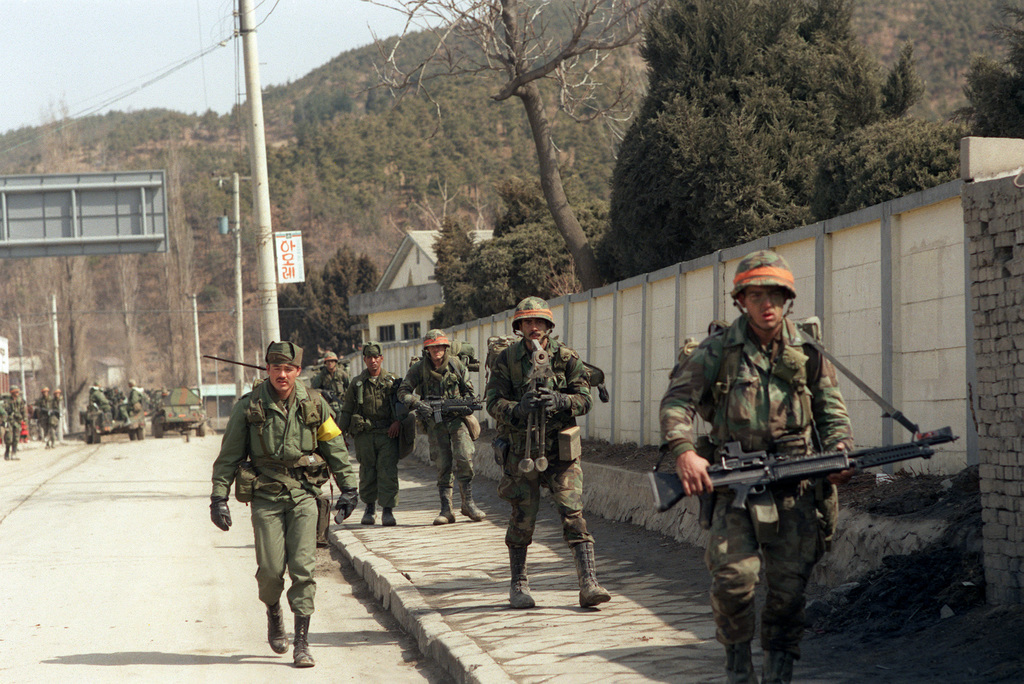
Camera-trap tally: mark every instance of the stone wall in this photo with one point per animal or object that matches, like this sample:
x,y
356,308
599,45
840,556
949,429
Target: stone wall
x,y
994,230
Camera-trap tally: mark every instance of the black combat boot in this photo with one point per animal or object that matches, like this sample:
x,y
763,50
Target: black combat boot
x,y
519,593
445,516
388,518
469,508
778,667
369,515
300,650
739,665
591,592
275,629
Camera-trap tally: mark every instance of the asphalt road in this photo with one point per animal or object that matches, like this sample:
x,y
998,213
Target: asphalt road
x,y
110,570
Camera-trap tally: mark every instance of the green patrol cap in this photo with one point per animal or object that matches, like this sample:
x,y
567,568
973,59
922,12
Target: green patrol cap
x,y
765,268
372,349
284,352
532,307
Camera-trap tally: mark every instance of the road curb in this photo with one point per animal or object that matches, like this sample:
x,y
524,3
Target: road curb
x,y
459,655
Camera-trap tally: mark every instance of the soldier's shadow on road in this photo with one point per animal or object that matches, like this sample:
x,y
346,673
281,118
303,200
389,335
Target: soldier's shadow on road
x,y
122,658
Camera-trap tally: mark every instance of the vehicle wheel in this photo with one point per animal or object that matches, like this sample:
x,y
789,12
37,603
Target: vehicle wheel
x,y
201,430
158,430
88,434
132,435
141,432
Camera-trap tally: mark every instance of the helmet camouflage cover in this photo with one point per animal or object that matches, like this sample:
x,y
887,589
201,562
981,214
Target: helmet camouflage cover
x,y
436,337
532,307
330,356
766,269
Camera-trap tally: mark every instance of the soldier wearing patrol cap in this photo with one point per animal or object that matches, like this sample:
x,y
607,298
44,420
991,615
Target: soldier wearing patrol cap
x,y
294,446
440,374
563,395
369,414
758,382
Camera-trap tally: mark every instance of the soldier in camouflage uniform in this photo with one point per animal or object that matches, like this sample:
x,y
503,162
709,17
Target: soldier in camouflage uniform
x,y
48,416
440,374
293,446
759,383
563,396
368,414
332,381
16,411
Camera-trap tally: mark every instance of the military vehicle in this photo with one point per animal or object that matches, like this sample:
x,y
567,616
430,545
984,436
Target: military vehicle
x,y
182,411
98,423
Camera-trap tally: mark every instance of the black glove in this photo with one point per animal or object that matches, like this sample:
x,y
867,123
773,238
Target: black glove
x,y
529,402
219,513
423,410
346,504
553,401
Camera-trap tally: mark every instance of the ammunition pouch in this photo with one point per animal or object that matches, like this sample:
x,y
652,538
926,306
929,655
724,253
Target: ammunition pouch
x,y
245,482
569,445
308,468
707,509
501,448
764,515
357,426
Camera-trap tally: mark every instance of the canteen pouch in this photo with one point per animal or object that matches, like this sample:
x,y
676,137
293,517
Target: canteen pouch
x,y
501,448
245,479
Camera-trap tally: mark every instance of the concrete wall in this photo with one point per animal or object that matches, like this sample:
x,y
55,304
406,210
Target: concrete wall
x,y
888,283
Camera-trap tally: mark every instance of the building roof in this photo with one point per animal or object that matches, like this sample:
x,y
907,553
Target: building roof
x,y
422,240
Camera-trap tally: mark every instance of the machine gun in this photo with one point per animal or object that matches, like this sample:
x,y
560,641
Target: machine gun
x,y
537,419
750,472
439,406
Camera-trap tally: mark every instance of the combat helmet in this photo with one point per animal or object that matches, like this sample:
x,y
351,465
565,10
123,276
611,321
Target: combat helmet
x,y
532,307
436,337
329,356
765,268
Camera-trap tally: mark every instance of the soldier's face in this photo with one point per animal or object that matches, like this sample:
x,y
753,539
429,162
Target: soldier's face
x,y
764,306
331,365
436,353
282,378
534,329
373,364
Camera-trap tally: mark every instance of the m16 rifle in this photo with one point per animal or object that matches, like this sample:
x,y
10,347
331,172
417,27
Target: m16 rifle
x,y
441,408
750,472
537,419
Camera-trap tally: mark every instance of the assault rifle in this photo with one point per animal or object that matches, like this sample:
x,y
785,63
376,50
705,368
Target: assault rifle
x,y
452,407
750,472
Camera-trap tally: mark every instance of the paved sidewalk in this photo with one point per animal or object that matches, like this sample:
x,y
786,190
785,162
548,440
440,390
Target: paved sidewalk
x,y
448,585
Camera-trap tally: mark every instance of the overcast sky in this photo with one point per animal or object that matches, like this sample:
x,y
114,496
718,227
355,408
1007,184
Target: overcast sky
x,y
84,53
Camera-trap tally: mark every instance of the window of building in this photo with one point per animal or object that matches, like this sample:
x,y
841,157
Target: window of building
x,y
410,331
385,333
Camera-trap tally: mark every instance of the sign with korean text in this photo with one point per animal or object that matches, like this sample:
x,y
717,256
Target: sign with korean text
x,y
288,248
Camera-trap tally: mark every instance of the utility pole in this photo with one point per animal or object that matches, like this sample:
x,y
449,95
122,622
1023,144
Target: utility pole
x,y
21,360
235,228
56,363
199,358
267,284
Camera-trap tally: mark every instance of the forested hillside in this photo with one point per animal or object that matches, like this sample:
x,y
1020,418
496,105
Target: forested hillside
x,y
350,167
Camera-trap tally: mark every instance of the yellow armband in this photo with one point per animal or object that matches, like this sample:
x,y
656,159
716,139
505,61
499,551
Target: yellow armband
x,y
328,430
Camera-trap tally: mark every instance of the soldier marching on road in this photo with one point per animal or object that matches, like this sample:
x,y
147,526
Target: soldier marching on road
x,y
368,413
562,396
332,382
759,383
440,374
48,416
293,446
16,413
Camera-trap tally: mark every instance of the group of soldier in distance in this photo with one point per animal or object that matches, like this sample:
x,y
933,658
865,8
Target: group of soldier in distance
x,y
19,420
759,382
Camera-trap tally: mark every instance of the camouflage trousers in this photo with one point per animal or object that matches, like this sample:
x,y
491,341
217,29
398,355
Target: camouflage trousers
x,y
285,535
734,557
378,467
454,451
564,479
